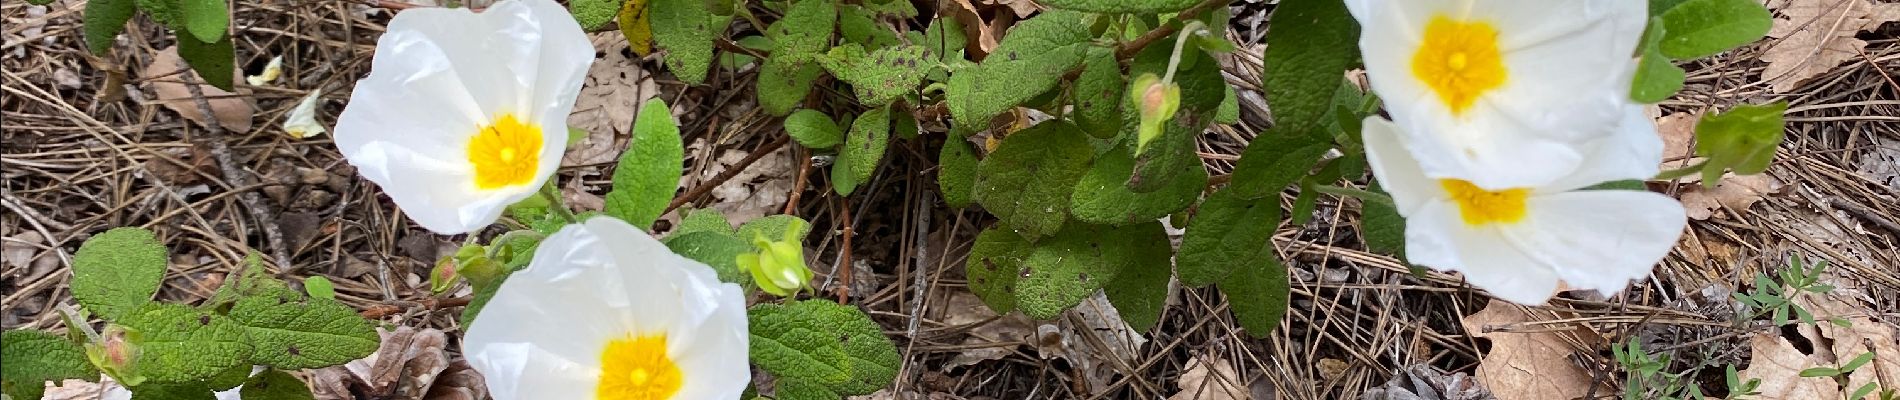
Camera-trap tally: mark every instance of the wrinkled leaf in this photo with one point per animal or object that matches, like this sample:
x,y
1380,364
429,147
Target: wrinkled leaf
x,y
1026,182
649,172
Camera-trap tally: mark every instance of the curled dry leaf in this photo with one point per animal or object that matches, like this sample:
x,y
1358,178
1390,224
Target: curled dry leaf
x,y
1864,334
615,88
1528,365
1210,377
1095,341
964,308
1817,35
1734,193
1423,382
406,366
1678,134
1778,365
233,111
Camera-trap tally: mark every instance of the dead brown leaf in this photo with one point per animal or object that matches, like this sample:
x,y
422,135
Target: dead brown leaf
x,y
964,308
1210,377
615,88
1734,193
233,111
982,37
1527,365
1817,35
1022,8
1778,365
1678,134
1864,334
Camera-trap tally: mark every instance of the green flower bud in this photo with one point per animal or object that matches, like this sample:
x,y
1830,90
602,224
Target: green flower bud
x,y
1157,102
778,267
117,354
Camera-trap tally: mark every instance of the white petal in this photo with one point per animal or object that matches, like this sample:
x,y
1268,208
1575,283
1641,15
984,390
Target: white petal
x,y
271,71
1397,171
1436,237
715,365
302,122
1600,239
1632,151
521,371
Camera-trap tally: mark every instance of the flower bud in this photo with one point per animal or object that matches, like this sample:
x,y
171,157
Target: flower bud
x,y
778,267
1157,102
117,353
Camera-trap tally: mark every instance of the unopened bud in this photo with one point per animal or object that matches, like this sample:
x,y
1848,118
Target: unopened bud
x,y
778,267
1157,102
116,353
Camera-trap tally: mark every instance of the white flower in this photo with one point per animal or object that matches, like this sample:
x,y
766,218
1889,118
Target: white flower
x,y
1519,242
271,71
302,122
606,312
1502,93
462,113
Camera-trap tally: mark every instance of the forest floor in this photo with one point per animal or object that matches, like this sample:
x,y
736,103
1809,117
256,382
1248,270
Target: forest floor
x,y
96,142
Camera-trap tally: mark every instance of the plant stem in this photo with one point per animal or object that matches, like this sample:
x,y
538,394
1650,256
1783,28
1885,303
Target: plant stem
x,y
555,205
1671,175
1174,61
1362,194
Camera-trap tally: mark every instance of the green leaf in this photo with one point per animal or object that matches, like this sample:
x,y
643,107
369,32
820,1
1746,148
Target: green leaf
x,y
686,29
1857,362
1273,161
1201,87
292,332
165,12
1702,28
1259,293
880,77
1657,77
813,129
864,146
1381,227
649,172
320,287
775,227
783,84
206,19
1068,267
104,20
1098,93
1121,6
251,279
993,266
117,271
1743,138
230,378
178,343
843,180
1028,62
1229,232
718,250
1310,51
857,25
1229,111
1140,291
956,172
1819,371
1026,182
35,357
702,220
275,385
944,38
1657,7
803,34
482,295
192,390
1101,197
824,344
212,60
594,14
890,8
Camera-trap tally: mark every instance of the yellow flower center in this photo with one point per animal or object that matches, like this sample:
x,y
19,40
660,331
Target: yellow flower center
x,y
637,368
505,154
1459,61
1478,206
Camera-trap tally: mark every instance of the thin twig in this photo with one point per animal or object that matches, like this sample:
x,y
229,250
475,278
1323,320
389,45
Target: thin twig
x,y
798,187
707,186
260,211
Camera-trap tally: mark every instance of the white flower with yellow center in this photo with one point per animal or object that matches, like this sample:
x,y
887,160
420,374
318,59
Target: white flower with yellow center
x,y
463,114
1519,242
605,312
1500,92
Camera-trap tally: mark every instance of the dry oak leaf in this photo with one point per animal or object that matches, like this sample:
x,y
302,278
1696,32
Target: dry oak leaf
x,y
1528,365
1778,365
1210,377
1678,134
1817,35
1864,334
964,308
162,78
611,95
1734,193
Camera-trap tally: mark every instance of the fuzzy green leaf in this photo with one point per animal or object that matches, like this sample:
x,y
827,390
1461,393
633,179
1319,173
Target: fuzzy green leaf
x,y
207,20
293,332
1657,77
1229,111
1201,86
783,83
1274,161
1026,182
104,20
1743,138
944,38
1230,231
1121,6
956,172
594,14
843,180
803,34
880,77
993,266
230,378
864,146
1071,265
1702,28
250,279
35,357
193,390
117,271
1140,291
857,25
649,172
1102,198
891,8
1259,293
775,227
718,250
1028,62
702,220
1310,50
180,343
275,385
320,287
686,29
822,343
813,129
1098,93
1382,228
212,60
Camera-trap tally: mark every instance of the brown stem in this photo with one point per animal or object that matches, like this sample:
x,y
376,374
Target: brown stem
x,y
1128,50
707,186
214,139
843,290
798,188
397,307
